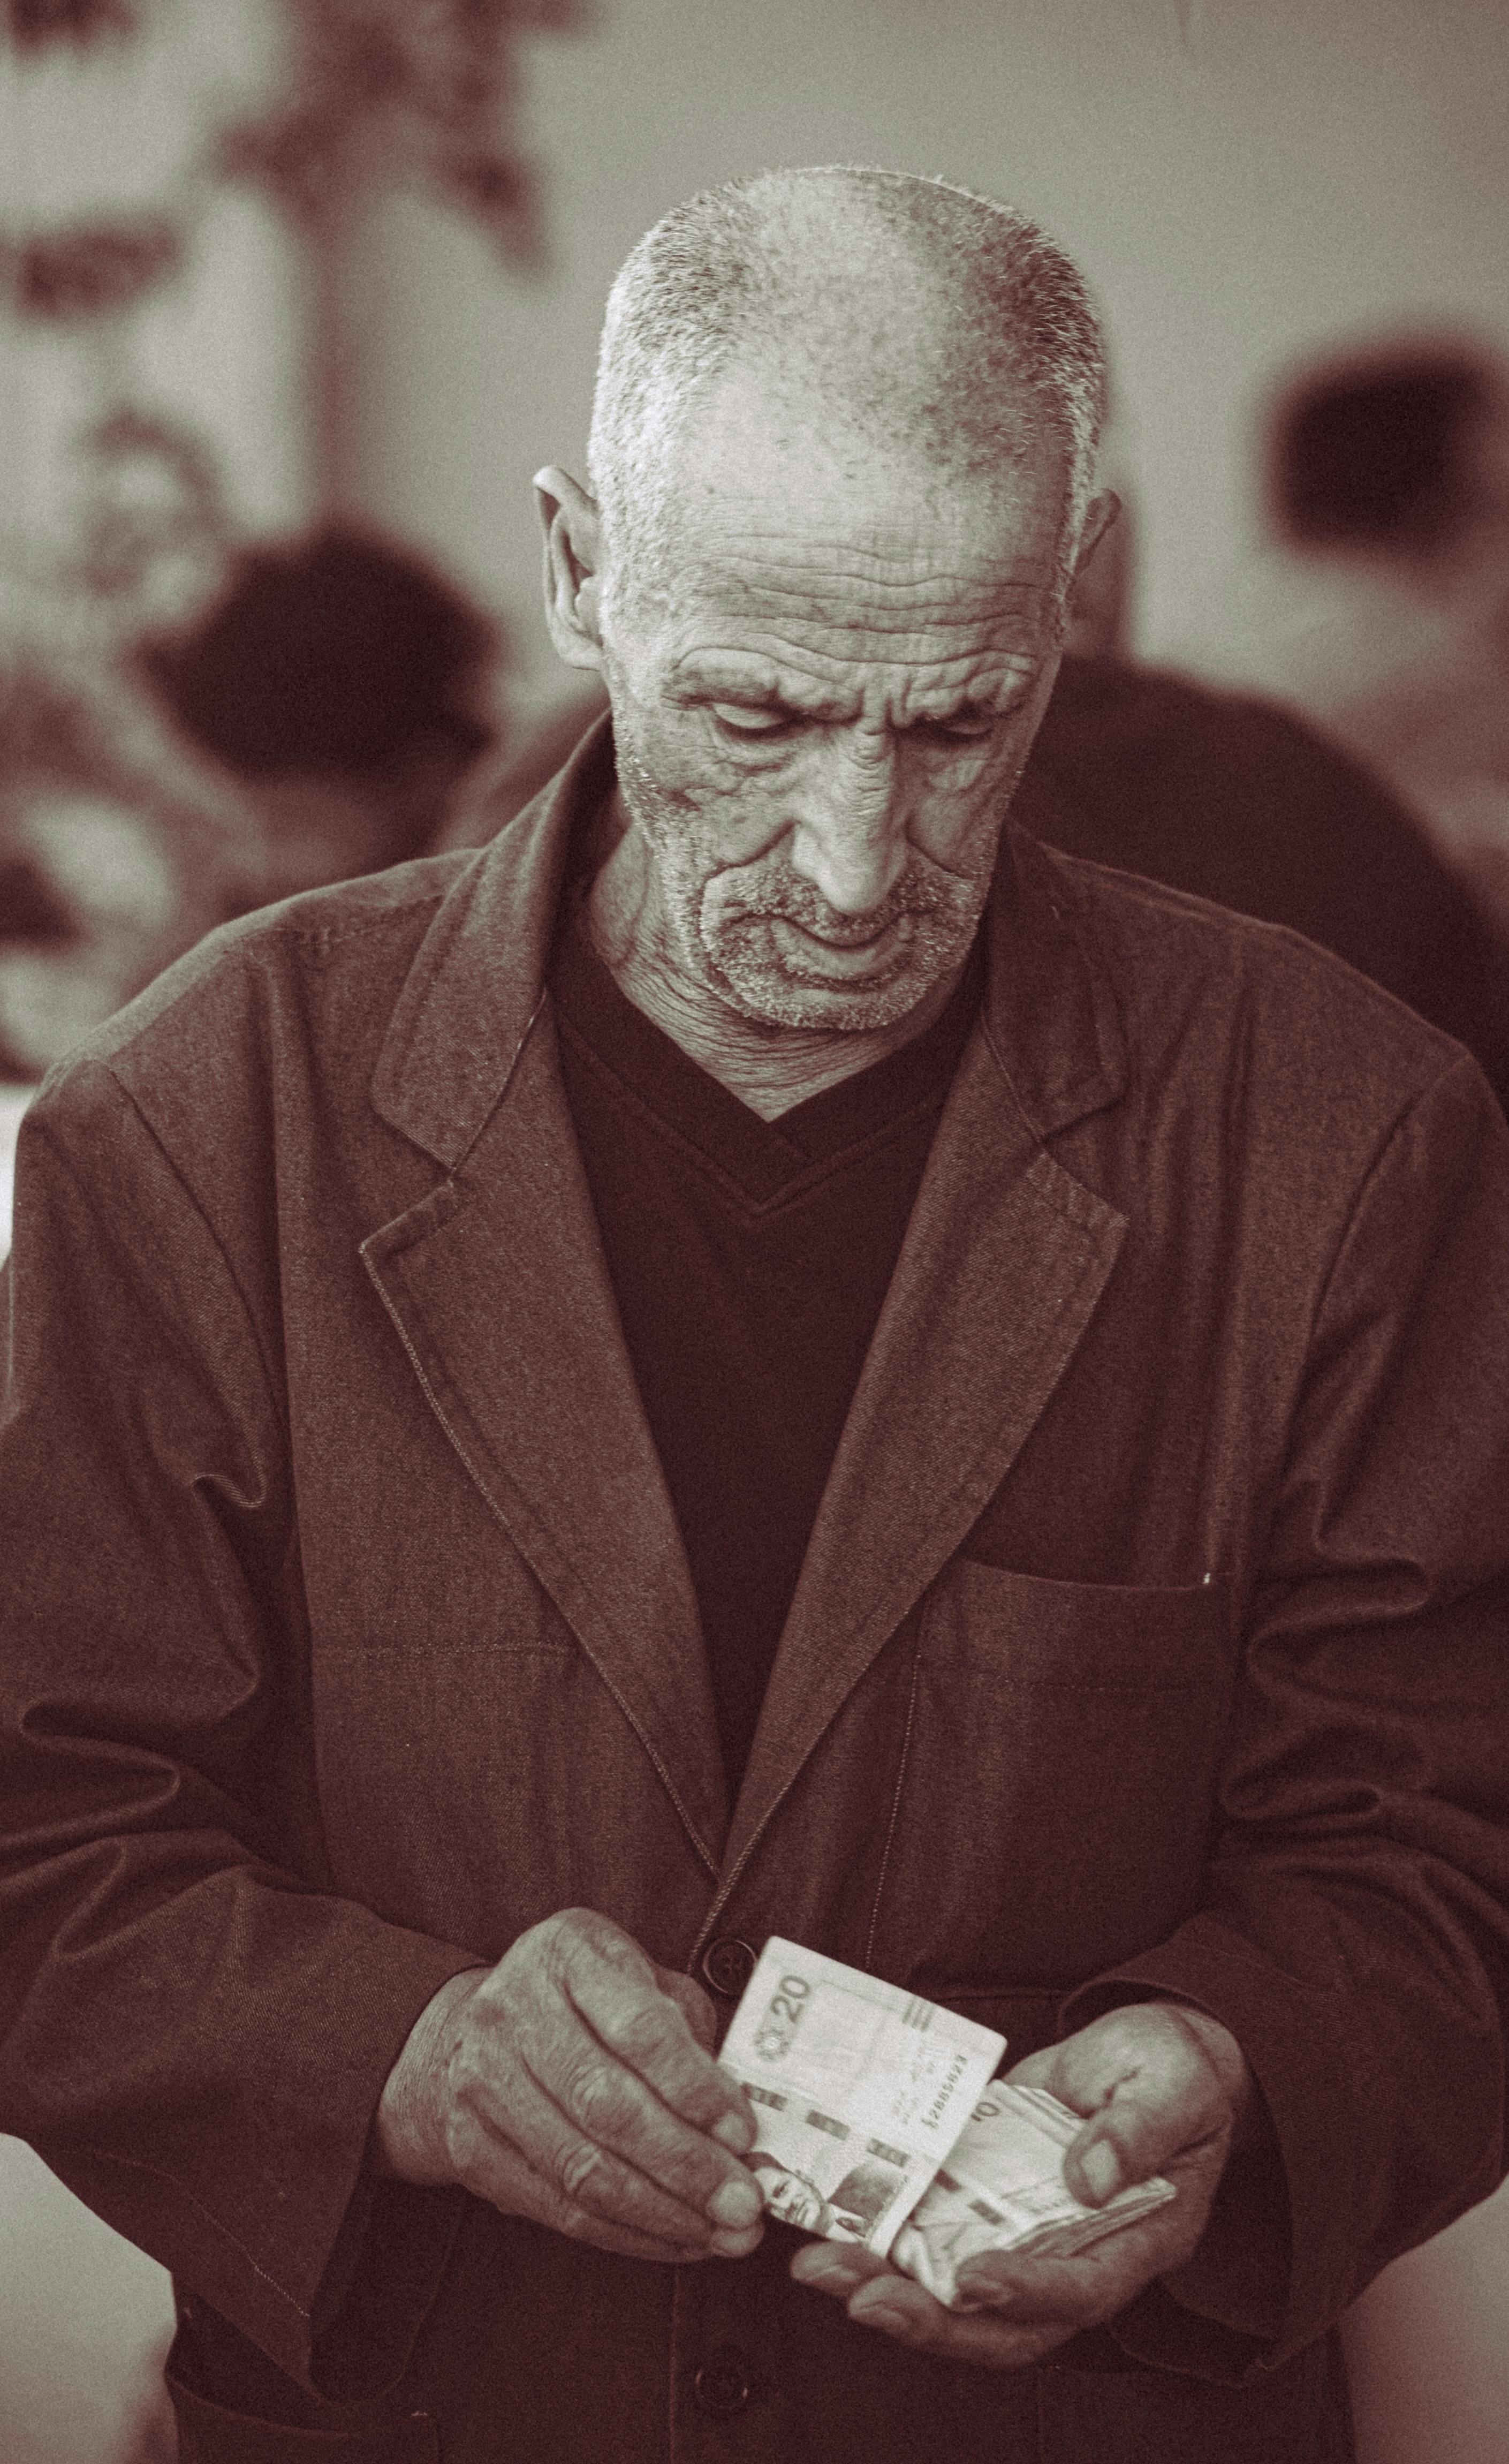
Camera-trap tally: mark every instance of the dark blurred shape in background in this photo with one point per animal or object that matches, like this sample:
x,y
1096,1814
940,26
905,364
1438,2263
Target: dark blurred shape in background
x,y
1386,481
1385,454
347,687
33,23
1235,800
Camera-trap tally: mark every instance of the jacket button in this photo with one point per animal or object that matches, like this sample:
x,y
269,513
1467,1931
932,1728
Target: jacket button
x,y
722,2385
728,1965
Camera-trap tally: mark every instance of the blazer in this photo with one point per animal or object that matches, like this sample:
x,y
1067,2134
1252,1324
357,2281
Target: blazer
x,y
1150,1640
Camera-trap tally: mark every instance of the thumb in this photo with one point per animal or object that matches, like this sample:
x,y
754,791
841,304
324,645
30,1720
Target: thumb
x,y
1142,2130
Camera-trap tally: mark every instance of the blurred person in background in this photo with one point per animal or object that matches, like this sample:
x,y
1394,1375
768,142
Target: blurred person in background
x,y
1240,797
1381,612
117,850
348,689
315,722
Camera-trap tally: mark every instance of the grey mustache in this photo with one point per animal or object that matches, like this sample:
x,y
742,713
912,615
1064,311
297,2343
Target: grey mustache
x,y
796,902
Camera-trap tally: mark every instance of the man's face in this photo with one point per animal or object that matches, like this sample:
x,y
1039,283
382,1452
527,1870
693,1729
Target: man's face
x,y
790,2197
820,715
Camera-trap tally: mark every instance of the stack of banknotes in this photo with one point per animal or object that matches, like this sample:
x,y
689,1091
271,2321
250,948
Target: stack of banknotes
x,y
880,2121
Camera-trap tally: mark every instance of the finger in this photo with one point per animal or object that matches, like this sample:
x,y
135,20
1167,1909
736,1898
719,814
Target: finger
x,y
1145,2129
1157,2045
903,2311
1042,2069
1145,2078
1086,2068
695,2005
568,2148
984,2340
1082,2290
613,1986
737,2129
1046,2311
613,2110
837,2268
520,2190
618,2057
1008,2334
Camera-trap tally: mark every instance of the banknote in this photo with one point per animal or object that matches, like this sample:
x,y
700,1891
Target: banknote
x,y
859,2090
1001,2187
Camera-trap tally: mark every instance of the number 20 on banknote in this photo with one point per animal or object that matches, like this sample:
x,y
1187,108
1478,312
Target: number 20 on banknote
x,y
776,2032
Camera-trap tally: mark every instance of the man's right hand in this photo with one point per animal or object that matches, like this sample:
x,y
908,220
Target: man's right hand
x,y
575,2084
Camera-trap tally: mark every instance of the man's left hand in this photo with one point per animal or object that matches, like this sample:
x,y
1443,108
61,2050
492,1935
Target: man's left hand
x,y
1165,2089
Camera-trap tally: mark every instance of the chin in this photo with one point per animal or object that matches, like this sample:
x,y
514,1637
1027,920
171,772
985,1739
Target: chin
x,y
748,968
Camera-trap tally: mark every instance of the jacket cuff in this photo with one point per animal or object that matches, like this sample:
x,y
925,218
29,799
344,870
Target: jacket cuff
x,y
335,2298
1276,2264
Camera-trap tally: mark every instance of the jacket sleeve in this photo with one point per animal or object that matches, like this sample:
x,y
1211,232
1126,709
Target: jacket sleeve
x,y
194,2030
1354,1935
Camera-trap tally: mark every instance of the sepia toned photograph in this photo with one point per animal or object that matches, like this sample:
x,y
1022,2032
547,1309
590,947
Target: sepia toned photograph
x,y
754,1231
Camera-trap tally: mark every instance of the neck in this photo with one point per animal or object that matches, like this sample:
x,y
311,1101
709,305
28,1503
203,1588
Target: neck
x,y
770,1068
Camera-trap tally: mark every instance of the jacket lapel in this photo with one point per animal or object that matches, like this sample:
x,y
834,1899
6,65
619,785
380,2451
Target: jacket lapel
x,y
498,1288
1004,1260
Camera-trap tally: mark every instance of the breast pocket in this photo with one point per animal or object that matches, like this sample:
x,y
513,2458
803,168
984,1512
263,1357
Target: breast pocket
x,y
1055,1798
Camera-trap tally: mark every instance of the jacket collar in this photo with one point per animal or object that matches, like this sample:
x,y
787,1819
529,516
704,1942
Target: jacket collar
x,y
474,989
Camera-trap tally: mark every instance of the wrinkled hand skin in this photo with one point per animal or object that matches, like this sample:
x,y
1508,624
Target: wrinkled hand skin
x,y
1166,2090
575,2084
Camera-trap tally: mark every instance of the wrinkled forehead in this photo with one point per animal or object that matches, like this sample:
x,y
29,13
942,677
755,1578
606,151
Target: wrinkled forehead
x,y
906,599
773,528
933,597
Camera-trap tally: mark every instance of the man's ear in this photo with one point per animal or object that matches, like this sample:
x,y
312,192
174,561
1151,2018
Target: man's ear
x,y
1101,513
1099,594
573,560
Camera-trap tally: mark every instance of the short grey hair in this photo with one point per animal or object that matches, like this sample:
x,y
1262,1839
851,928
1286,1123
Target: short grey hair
x,y
791,261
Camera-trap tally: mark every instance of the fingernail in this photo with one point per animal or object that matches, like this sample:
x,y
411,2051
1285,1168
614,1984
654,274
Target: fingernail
x,y
735,2203
892,2320
736,2130
1101,2167
982,2287
735,2245
830,2273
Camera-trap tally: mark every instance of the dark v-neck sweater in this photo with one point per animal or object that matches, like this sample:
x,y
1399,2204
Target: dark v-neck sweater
x,y
749,1259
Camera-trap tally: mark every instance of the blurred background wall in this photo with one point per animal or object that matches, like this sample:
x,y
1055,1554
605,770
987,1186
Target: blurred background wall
x,y
350,317
1244,180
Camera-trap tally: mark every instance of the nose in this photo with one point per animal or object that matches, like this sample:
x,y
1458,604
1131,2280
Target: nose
x,y
850,838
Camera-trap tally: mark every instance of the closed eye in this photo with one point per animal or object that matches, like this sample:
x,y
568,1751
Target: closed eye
x,y
763,720
745,718
967,729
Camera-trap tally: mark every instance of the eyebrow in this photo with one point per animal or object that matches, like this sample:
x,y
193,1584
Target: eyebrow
x,y
966,713
698,685
695,689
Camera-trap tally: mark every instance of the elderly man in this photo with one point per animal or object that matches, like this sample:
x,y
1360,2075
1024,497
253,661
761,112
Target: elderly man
x,y
765,1355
